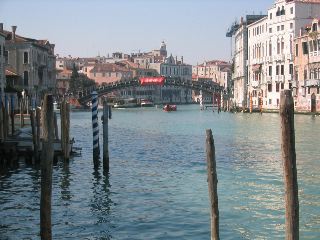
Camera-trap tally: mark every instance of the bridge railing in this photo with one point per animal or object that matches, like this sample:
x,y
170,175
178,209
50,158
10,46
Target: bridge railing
x,y
85,95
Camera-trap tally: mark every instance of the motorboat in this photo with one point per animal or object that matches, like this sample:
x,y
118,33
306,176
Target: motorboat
x,y
146,103
169,108
126,103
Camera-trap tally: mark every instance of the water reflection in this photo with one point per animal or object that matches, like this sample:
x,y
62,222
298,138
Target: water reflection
x,y
101,203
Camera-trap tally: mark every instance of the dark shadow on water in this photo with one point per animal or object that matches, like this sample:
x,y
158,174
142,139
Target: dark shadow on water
x,y
65,183
101,204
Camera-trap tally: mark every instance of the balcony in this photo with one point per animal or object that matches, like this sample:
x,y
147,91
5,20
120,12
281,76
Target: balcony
x,y
279,57
268,59
312,82
289,78
290,57
269,79
279,79
255,84
314,57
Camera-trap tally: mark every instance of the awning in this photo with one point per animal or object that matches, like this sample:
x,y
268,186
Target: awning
x,y
145,81
256,67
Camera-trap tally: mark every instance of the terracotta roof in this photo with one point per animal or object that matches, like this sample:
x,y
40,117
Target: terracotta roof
x,y
108,67
10,71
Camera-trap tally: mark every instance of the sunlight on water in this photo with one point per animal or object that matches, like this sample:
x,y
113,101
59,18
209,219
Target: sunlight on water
x,y
157,185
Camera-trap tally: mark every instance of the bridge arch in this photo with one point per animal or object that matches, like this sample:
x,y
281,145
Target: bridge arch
x,y
208,87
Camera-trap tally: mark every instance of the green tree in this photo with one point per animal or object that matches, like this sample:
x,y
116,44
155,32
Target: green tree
x,y
78,82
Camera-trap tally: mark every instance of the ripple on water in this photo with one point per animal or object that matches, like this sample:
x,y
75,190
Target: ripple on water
x,y
157,186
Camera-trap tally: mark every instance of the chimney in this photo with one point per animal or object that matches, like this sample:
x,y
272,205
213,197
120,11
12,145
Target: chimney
x,y
181,59
1,27
13,37
176,59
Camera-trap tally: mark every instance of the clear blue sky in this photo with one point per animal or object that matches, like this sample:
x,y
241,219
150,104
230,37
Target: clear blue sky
x,y
193,28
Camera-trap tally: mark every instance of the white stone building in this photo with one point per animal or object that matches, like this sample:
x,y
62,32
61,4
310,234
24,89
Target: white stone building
x,y
271,50
239,32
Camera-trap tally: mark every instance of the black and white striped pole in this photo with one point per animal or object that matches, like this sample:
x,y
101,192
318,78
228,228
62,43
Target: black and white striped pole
x,y
95,129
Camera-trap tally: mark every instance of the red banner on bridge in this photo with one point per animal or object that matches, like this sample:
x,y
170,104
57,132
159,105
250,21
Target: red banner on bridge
x,y
144,81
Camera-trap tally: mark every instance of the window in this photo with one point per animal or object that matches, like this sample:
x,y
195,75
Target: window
x,y
311,46
282,27
6,56
291,25
277,87
278,13
291,69
270,16
309,90
290,85
270,30
282,69
291,10
318,90
305,74
282,45
277,70
270,87
270,101
282,86
314,27
25,78
270,70
278,28
270,48
305,48
283,12
278,47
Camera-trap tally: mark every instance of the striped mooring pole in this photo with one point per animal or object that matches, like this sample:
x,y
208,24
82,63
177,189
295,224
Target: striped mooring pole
x,y
95,129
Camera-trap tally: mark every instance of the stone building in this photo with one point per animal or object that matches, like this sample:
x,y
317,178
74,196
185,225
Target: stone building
x,y
269,64
239,33
2,60
306,87
32,60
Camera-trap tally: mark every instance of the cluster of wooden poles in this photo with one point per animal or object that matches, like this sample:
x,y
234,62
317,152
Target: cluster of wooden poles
x,y
289,172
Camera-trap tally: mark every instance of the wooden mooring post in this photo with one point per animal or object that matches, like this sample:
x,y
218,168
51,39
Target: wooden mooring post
x,y
34,137
105,136
1,120
12,114
289,165
46,167
95,129
212,185
65,129
56,130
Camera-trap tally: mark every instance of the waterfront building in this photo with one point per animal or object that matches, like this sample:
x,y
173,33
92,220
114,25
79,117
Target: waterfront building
x,y
63,81
2,60
306,84
216,71
239,34
32,60
270,65
103,73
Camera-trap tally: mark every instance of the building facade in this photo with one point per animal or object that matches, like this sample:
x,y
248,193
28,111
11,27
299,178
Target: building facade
x,y
306,87
33,60
239,32
2,60
271,60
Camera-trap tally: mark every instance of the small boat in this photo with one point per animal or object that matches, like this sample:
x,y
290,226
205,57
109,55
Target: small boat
x,y
169,108
126,103
146,103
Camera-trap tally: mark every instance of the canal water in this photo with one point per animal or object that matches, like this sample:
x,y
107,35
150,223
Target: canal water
x,y
157,186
